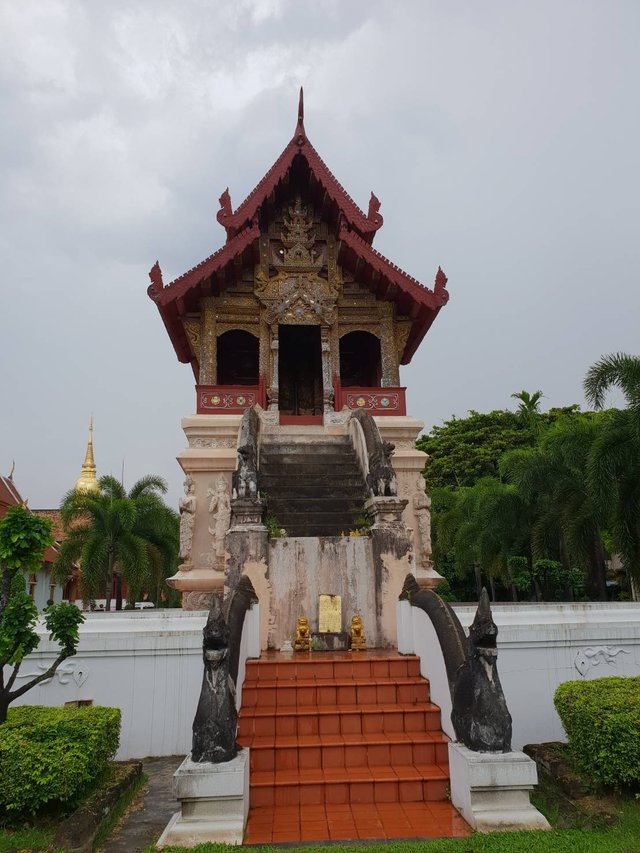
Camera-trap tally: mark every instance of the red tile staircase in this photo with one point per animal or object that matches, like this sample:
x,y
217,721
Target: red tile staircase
x,y
344,745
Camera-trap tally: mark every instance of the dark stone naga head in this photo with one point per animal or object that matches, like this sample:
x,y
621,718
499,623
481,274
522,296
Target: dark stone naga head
x,y
215,722
479,714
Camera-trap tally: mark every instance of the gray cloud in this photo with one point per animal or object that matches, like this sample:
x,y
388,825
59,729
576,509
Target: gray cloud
x,y
501,137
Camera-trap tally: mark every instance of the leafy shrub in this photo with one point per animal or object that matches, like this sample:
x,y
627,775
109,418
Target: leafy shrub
x,y
602,722
51,756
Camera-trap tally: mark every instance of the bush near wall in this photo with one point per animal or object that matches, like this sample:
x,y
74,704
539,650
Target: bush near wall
x,y
602,722
51,756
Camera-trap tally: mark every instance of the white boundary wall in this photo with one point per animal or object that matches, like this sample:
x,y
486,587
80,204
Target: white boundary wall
x,y
149,664
539,646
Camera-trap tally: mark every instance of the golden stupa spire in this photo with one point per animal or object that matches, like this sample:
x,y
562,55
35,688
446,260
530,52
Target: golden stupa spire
x,y
88,482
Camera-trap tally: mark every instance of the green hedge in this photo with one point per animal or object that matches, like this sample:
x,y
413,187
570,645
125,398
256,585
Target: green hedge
x,y
51,756
602,722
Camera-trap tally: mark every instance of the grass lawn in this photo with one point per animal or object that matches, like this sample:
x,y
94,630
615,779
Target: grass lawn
x,y
25,839
624,837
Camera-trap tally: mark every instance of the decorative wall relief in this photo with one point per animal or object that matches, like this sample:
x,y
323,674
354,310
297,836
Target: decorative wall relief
x,y
212,442
594,656
422,512
220,510
68,671
187,508
196,600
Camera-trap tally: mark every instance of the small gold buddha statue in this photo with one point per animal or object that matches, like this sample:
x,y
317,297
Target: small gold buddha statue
x,y
358,642
303,635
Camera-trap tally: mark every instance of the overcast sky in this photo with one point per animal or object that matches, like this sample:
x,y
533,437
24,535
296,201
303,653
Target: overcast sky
x,y
501,137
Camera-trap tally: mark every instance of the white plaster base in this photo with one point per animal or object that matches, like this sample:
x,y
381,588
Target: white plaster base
x,y
214,802
491,789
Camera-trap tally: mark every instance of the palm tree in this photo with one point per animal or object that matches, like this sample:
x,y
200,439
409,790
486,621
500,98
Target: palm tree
x,y
614,460
483,525
553,478
133,535
529,409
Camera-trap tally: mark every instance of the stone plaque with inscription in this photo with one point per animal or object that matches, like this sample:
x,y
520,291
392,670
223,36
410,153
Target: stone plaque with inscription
x,y
330,614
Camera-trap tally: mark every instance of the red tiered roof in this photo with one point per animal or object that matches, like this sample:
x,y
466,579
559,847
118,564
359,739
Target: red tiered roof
x,y
356,233
365,224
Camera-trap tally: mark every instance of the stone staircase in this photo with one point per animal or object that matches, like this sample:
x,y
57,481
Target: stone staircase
x,y
312,488
331,733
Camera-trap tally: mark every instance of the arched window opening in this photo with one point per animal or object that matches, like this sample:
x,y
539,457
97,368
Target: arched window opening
x,y
360,362
238,359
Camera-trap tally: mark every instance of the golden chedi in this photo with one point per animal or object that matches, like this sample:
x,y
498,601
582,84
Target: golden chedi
x,y
358,642
88,482
303,635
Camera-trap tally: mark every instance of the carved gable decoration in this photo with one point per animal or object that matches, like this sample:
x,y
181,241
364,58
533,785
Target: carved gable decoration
x,y
297,247
192,330
302,299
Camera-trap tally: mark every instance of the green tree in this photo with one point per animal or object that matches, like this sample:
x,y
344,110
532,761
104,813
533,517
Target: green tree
x,y
480,528
133,535
462,450
529,409
614,459
23,538
552,479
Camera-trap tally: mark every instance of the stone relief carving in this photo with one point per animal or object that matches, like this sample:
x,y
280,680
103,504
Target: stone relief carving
x,y
212,442
594,656
196,600
422,511
220,510
68,671
187,508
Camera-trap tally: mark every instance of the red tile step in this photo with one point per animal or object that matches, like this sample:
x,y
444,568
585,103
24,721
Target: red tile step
x,y
344,731
348,785
313,752
334,822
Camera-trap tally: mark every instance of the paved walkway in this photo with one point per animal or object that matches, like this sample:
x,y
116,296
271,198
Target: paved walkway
x,y
150,811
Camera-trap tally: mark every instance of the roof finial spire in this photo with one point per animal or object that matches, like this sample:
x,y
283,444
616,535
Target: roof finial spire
x,y
300,134
88,482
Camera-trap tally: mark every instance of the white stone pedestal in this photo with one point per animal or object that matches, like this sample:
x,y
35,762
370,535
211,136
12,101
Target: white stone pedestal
x,y
491,789
214,802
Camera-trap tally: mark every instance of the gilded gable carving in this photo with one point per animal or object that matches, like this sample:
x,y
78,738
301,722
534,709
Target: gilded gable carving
x,y
192,331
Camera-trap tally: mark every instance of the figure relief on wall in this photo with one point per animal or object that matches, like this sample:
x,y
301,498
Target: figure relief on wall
x,y
187,506
220,510
422,511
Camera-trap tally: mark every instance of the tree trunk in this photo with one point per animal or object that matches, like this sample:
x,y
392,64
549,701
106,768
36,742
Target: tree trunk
x,y
4,706
597,576
118,591
566,565
493,588
107,605
478,573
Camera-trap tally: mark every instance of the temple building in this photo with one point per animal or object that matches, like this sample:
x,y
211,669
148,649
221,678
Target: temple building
x,y
305,527
298,319
41,585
